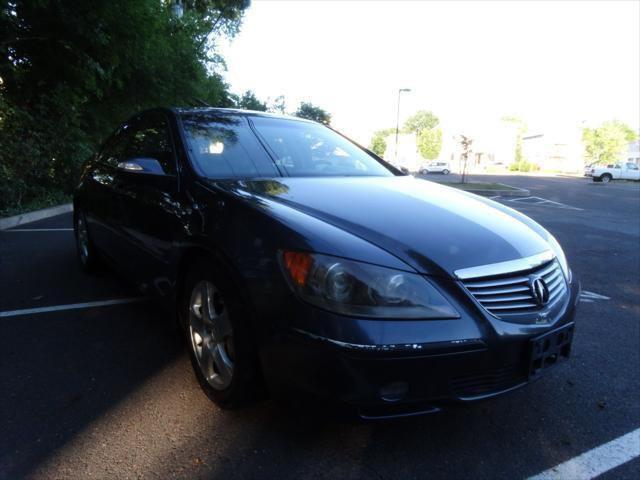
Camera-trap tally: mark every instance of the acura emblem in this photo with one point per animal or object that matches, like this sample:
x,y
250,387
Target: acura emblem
x,y
540,291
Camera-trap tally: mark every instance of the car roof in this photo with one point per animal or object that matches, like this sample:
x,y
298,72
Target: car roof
x,y
235,111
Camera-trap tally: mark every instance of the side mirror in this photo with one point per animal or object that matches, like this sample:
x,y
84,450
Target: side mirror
x,y
143,165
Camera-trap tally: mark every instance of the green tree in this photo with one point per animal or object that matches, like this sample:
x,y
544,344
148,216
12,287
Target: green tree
x,y
519,164
604,144
278,105
422,120
429,143
249,101
378,143
312,112
73,70
428,137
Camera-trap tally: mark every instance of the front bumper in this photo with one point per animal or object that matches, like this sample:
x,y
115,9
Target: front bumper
x,y
481,358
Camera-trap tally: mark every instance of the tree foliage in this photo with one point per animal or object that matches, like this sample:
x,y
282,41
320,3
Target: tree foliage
x,y
428,137
249,101
73,70
429,143
520,163
379,141
604,144
312,112
422,120
278,105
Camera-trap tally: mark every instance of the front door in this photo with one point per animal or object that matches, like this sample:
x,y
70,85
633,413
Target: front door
x,y
150,205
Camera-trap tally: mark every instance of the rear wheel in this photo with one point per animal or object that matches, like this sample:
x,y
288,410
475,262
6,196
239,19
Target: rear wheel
x,y
220,345
86,251
424,171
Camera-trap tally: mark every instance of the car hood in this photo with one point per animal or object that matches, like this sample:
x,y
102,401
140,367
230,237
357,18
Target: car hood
x,y
429,226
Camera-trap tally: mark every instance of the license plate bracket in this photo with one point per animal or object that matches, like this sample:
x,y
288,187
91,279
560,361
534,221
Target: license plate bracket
x,y
549,349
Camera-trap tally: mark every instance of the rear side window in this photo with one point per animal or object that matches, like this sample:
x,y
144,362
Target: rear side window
x,y
151,138
223,146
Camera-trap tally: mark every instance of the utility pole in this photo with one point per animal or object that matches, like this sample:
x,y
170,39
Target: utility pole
x,y
400,90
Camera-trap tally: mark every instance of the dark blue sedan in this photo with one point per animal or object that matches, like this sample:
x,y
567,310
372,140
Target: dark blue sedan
x,y
296,258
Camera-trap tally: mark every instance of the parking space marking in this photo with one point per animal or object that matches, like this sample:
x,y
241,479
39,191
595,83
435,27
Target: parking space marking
x,y
536,201
591,296
596,461
40,230
70,306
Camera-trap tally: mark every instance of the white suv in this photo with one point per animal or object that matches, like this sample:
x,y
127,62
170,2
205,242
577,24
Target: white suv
x,y
436,167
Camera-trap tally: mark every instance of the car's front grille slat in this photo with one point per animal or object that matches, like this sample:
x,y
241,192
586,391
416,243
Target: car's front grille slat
x,y
496,283
505,298
511,306
500,291
509,294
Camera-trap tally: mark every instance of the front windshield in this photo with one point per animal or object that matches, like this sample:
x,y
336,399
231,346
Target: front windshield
x,y
224,145
306,149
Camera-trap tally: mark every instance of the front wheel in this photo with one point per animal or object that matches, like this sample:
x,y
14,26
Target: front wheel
x,y
445,171
87,254
424,171
606,178
220,345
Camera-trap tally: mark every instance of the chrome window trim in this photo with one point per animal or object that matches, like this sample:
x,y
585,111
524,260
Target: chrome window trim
x,y
501,268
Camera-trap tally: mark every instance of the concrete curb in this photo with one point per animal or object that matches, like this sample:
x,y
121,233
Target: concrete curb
x,y
10,222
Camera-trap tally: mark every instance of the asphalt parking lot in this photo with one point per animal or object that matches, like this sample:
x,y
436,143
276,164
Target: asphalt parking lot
x,y
107,391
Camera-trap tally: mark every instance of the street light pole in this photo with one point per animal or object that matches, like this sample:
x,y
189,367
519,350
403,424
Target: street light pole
x,y
400,90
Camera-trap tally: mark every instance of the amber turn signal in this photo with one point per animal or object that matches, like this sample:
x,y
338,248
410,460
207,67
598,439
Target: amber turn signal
x,y
298,264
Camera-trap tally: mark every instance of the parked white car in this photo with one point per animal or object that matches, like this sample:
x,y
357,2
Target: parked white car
x,y
619,171
436,167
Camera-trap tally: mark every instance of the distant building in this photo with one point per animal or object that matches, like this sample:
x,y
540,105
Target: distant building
x,y
632,153
560,153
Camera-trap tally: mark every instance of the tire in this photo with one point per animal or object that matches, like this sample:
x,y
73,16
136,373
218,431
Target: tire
x,y
424,171
216,327
605,178
87,254
445,171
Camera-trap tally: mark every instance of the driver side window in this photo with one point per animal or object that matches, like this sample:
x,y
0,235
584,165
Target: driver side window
x,y
151,138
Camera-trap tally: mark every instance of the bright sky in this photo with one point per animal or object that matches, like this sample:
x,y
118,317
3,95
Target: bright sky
x,y
554,64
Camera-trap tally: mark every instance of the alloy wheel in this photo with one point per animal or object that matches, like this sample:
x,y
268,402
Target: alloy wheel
x,y
83,238
211,335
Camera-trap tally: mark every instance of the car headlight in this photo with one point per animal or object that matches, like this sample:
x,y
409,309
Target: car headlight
x,y
562,259
360,289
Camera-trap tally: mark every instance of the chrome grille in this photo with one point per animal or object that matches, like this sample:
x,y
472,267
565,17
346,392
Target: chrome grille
x,y
511,293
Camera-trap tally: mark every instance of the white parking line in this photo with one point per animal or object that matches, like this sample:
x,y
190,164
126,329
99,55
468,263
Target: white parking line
x,y
593,296
537,201
597,461
40,230
71,306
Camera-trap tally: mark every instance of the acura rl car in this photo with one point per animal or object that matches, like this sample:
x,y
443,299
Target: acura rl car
x,y
296,258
